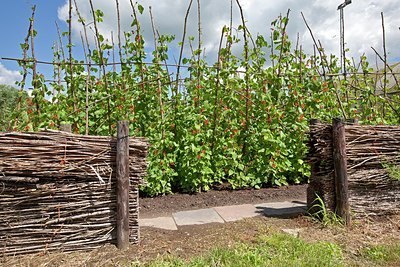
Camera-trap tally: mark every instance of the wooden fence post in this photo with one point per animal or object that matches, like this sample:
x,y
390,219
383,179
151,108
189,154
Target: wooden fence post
x,y
340,166
122,184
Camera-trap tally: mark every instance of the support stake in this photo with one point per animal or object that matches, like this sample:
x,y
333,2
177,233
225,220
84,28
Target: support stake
x,y
122,173
340,166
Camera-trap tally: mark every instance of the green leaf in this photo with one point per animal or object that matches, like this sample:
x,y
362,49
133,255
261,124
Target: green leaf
x,y
185,61
234,155
140,8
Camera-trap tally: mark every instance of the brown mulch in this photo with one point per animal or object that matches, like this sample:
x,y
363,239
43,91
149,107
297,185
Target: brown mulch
x,y
195,240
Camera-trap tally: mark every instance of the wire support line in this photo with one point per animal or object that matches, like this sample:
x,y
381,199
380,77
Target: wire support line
x,y
176,65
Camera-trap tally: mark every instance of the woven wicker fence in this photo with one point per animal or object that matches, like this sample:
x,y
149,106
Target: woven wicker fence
x,y
370,152
58,191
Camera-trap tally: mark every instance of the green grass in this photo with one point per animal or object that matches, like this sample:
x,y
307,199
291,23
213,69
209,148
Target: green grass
x,y
323,215
286,251
275,250
388,254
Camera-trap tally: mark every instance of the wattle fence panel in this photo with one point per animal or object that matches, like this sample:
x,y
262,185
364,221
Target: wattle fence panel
x,y
373,168
58,191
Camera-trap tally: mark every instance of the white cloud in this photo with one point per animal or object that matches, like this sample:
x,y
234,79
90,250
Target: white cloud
x,y
8,77
363,21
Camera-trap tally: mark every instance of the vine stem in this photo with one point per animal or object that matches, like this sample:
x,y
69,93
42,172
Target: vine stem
x,y
181,53
121,58
34,65
25,59
103,68
88,60
71,69
384,62
198,51
139,56
247,78
159,86
217,86
284,36
320,50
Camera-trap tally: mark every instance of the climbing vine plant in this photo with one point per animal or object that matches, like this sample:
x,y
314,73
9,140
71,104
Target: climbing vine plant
x,y
242,120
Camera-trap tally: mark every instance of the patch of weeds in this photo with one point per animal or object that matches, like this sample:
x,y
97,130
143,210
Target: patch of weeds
x,y
383,254
323,215
392,170
275,250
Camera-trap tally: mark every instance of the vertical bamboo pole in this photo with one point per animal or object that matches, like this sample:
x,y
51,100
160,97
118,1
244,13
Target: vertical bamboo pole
x,y
25,49
123,66
143,97
199,54
122,184
159,85
340,166
88,60
246,78
37,91
102,65
384,66
71,68
180,58
229,40
284,38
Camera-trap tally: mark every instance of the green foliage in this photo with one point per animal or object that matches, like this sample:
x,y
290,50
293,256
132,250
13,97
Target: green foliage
x,y
393,170
244,120
275,250
9,99
383,254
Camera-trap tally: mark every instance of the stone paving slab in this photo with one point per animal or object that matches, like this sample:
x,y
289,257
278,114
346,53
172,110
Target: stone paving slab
x,y
166,223
193,217
285,208
237,212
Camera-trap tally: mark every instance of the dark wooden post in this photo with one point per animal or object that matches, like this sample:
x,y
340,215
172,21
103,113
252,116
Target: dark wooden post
x,y
122,185
66,128
340,166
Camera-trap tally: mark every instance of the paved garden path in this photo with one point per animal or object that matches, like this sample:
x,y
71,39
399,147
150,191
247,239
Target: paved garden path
x,y
225,214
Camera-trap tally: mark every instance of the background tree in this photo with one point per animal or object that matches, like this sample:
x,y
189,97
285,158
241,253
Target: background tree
x,y
9,99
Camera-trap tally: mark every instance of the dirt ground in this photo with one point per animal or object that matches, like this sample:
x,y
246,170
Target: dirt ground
x,y
193,240
164,205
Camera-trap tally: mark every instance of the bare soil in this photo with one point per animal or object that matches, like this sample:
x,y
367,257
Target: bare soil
x,y
165,205
189,241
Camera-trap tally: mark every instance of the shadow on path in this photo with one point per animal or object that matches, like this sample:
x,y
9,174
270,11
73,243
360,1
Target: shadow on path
x,y
282,209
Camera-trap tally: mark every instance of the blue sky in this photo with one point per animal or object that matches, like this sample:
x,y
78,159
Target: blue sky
x,y
363,24
14,23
